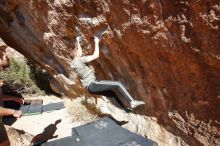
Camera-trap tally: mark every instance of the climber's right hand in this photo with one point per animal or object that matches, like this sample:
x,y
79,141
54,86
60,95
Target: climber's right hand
x,y
78,39
96,39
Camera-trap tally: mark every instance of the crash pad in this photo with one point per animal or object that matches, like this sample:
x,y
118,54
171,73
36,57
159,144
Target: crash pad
x,y
103,132
53,106
35,107
67,141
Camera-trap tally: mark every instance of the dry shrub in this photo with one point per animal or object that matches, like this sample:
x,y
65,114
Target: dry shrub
x,y
82,110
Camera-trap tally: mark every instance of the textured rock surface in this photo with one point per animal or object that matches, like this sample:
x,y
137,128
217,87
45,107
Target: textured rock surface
x,y
166,52
142,125
18,137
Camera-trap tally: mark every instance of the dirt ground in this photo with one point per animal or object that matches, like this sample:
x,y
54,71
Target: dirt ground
x,y
52,125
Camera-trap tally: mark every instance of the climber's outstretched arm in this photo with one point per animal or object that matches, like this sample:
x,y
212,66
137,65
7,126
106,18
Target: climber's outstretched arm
x,y
95,55
79,49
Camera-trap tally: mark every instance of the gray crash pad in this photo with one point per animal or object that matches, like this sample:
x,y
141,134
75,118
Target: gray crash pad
x,y
35,107
67,141
103,132
53,106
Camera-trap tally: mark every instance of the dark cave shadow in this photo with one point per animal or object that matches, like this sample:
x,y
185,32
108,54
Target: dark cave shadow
x,y
113,97
46,135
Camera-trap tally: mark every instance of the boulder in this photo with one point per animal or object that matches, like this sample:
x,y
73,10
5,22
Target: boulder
x,y
165,52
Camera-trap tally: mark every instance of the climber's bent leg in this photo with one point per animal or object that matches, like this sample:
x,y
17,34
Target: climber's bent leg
x,y
99,86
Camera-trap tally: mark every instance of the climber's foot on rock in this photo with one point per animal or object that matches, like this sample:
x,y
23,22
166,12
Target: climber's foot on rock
x,y
136,103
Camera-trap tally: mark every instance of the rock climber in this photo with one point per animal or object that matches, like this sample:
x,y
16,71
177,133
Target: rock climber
x,y
87,76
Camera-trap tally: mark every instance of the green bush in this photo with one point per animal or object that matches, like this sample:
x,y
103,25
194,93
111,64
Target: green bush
x,y
18,78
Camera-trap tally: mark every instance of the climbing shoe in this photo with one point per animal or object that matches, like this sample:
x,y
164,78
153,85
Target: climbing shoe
x,y
136,103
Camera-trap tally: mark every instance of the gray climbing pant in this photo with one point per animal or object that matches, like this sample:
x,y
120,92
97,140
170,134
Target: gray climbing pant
x,y
99,86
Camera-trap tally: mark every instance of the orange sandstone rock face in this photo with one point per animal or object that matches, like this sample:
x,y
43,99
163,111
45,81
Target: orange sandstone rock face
x,y
166,53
